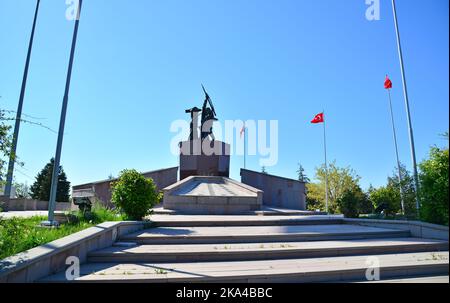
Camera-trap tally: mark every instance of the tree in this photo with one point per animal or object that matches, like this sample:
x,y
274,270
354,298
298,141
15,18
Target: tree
x,y
22,190
339,180
409,192
134,194
301,174
5,144
385,198
434,186
40,190
352,202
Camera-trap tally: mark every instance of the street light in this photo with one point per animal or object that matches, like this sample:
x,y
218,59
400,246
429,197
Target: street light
x,y
54,186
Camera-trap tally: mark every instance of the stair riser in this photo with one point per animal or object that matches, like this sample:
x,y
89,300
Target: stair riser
x,y
261,238
246,223
314,277
224,255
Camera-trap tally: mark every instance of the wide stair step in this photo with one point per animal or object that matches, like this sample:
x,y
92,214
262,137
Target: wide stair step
x,y
242,220
259,234
262,251
333,269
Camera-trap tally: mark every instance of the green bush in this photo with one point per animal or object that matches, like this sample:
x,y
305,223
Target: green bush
x,y
134,194
352,203
434,187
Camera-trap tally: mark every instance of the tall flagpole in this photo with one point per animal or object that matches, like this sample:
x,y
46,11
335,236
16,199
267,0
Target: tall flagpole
x,y
12,155
54,185
396,153
326,165
405,93
245,146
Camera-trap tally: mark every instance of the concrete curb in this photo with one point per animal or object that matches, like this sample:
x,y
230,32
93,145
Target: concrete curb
x,y
50,258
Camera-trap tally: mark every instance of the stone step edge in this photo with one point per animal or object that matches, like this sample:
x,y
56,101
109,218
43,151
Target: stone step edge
x,y
278,222
331,276
214,239
262,254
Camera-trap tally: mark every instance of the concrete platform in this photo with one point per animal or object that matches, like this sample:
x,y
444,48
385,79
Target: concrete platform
x,y
211,195
261,234
286,270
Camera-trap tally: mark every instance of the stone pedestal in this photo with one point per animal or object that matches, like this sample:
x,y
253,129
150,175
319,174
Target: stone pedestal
x,y
204,158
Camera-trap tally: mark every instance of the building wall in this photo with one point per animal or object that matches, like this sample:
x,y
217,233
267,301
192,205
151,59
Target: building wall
x,y
278,191
102,189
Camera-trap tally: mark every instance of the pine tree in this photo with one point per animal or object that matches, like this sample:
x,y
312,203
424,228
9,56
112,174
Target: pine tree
x,y
301,174
40,190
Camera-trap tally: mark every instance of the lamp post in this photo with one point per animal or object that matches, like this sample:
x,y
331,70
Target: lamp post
x,y
54,185
12,155
408,114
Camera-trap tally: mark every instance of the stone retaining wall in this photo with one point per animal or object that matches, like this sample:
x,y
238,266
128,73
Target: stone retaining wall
x,y
50,258
30,204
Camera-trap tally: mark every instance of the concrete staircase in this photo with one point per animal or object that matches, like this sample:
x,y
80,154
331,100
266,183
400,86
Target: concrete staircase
x,y
263,249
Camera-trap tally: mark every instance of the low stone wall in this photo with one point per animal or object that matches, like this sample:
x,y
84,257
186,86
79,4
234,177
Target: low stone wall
x,y
30,204
418,229
278,191
50,258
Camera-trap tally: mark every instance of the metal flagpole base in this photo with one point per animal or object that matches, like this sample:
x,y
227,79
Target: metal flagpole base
x,y
50,224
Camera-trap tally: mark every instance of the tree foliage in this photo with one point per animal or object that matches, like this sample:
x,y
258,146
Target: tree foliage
x,y
340,180
301,174
40,190
5,144
434,186
353,202
134,194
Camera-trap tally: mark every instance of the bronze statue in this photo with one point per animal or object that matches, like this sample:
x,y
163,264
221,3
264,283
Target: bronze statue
x,y
207,119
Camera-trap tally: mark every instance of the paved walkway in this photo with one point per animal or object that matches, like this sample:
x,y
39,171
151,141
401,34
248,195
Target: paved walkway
x,y
23,214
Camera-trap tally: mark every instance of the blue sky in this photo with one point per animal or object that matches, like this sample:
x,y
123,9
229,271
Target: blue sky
x,y
139,64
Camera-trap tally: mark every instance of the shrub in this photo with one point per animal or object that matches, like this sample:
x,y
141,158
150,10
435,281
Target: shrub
x,y
134,194
434,187
351,203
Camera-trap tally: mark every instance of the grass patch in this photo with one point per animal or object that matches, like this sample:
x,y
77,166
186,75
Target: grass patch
x,y
20,234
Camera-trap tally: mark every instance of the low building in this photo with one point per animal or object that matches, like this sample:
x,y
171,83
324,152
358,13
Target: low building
x,y
102,189
278,191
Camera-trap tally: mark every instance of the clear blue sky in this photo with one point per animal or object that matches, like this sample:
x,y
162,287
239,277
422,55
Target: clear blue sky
x,y
139,64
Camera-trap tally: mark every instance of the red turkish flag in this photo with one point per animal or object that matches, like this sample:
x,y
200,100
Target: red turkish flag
x,y
318,118
387,83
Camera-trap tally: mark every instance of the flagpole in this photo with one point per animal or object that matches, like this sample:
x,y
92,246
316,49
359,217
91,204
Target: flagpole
x,y
12,155
405,93
396,153
55,174
326,165
245,146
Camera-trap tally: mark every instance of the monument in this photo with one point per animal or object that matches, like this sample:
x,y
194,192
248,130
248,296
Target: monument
x,y
205,186
202,155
